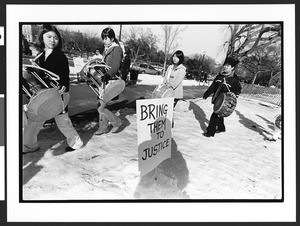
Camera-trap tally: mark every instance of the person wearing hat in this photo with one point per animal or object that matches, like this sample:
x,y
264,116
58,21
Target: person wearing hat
x,y
216,122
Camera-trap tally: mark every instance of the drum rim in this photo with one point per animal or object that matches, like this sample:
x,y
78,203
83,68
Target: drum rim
x,y
161,87
231,94
223,95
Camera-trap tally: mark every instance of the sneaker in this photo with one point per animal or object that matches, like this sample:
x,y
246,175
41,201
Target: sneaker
x,y
101,131
208,134
116,126
30,150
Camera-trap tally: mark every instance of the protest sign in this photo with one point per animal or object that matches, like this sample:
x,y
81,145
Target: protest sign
x,y
154,123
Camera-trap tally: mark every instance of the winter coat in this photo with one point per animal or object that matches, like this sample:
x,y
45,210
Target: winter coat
x,y
233,84
57,63
174,78
113,58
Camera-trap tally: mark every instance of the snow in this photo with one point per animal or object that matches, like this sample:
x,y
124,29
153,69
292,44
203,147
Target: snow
x,y
238,164
145,79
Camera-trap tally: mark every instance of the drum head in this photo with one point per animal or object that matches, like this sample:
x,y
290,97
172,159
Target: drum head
x,y
113,89
218,103
225,104
46,104
168,93
162,92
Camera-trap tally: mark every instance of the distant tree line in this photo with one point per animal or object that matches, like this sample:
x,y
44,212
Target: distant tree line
x,y
257,46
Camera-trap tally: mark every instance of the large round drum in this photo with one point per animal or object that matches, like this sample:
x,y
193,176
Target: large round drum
x,y
225,104
96,64
46,104
162,91
112,89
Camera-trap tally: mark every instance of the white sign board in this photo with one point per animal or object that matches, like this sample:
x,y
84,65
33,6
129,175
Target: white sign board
x,y
154,123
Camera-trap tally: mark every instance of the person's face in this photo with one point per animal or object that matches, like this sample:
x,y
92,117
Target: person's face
x,y
108,41
51,40
175,59
97,52
227,69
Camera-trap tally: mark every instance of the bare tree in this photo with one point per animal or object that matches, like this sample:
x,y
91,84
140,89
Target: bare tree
x,y
141,42
264,61
171,33
257,46
247,38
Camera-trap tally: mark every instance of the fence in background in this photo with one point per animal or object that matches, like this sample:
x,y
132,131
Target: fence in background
x,y
267,94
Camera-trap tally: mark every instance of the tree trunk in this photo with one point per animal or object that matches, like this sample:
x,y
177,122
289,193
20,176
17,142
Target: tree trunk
x,y
254,78
273,78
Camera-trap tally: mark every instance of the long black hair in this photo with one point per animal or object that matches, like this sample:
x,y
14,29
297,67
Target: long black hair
x,y
46,28
109,32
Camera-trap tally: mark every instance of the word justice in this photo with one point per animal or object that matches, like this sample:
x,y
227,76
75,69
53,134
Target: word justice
x,y
152,151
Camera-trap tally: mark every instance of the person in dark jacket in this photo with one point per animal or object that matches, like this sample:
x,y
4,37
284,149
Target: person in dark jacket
x,y
216,122
126,63
53,59
112,56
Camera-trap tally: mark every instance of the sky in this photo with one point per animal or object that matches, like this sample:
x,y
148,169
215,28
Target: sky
x,y
195,39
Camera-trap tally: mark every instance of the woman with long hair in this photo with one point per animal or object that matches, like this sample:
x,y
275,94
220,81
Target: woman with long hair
x,y
175,75
112,56
51,58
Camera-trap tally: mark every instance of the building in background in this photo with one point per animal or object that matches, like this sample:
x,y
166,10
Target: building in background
x,y
27,32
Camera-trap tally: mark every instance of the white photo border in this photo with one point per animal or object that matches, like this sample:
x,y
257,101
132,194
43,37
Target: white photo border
x,y
150,212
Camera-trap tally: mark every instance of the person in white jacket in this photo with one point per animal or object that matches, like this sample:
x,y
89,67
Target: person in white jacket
x,y
175,75
97,55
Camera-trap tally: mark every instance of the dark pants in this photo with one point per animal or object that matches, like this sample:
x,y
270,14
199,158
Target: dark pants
x,y
215,123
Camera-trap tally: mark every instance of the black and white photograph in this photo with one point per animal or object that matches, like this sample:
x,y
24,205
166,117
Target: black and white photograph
x,y
152,109
226,133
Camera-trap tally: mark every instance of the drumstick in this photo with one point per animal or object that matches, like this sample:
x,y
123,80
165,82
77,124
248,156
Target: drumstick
x,y
26,91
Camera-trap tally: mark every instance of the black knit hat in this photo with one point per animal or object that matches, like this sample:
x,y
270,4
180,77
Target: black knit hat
x,y
231,61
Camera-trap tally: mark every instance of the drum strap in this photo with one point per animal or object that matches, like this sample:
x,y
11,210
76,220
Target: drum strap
x,y
219,89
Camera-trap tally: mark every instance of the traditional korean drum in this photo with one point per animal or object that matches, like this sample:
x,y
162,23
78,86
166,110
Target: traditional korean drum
x,y
92,73
40,85
46,104
224,104
162,91
112,89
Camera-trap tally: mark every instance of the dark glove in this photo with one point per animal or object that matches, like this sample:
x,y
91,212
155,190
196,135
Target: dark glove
x,y
204,96
105,78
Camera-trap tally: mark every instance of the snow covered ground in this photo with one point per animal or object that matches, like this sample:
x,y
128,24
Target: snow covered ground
x,y
238,164
144,79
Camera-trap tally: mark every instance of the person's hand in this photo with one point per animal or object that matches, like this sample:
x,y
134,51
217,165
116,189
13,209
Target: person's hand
x,y
25,108
232,94
61,90
90,72
169,85
205,96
